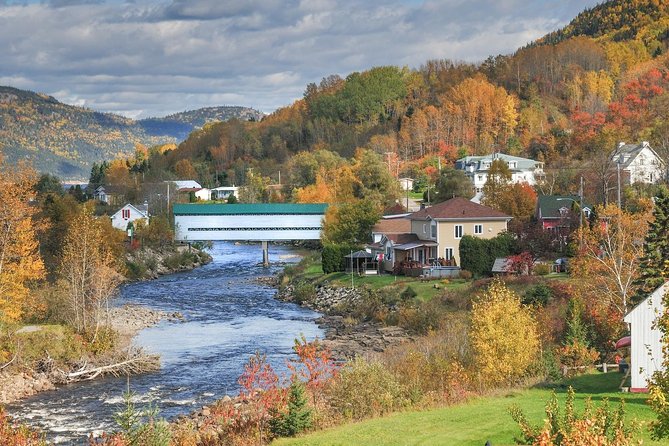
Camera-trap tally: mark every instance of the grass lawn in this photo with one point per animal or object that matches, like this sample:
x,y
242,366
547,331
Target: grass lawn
x,y
479,420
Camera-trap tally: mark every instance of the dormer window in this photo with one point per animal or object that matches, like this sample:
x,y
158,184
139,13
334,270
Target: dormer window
x,y
587,212
563,212
512,164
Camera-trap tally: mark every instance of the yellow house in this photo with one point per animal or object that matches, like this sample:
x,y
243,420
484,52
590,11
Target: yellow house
x,y
446,223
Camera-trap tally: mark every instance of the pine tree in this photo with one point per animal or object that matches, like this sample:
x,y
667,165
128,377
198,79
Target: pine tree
x,y
654,265
298,417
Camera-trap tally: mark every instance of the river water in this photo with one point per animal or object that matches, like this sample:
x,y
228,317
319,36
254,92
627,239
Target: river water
x,y
229,316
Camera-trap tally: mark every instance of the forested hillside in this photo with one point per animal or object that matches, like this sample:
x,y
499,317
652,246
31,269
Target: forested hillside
x,y
179,125
568,99
66,140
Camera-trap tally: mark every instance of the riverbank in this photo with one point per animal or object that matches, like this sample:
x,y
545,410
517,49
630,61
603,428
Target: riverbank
x,y
21,382
345,336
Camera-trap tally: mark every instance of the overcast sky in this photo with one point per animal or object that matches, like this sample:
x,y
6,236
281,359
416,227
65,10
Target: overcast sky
x,y
151,58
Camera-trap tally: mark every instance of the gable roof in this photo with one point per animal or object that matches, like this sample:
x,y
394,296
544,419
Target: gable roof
x,y
548,206
656,301
187,184
629,152
140,208
459,208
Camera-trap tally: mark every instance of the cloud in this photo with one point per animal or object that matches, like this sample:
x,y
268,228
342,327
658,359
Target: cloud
x,y
154,58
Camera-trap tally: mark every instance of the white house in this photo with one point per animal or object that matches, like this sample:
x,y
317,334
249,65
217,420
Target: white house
x,y
101,195
203,194
405,183
523,170
224,192
646,357
639,162
129,214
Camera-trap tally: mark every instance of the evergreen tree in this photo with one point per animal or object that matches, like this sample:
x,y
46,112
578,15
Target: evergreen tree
x,y
654,265
298,417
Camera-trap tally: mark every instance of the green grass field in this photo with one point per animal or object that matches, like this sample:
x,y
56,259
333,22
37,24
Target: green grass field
x,y
479,420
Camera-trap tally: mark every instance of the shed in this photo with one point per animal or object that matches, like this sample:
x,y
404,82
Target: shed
x,y
361,262
646,354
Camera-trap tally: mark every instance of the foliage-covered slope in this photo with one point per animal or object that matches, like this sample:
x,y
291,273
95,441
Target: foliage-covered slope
x,y
63,139
179,125
618,20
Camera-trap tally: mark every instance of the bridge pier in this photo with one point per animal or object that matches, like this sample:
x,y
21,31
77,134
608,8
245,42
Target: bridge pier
x,y
265,253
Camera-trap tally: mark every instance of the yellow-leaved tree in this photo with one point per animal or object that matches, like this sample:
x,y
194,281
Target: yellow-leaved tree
x,y
503,336
88,270
20,262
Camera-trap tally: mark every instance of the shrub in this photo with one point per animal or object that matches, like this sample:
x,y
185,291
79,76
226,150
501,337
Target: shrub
x,y
141,427
13,434
542,269
304,292
604,426
364,389
420,317
539,294
465,274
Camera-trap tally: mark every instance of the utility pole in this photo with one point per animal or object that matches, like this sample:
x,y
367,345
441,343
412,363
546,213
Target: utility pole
x,y
406,186
618,166
580,215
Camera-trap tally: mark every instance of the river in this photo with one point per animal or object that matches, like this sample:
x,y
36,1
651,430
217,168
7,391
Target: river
x,y
229,316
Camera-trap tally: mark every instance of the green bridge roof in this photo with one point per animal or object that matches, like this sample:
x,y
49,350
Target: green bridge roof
x,y
249,209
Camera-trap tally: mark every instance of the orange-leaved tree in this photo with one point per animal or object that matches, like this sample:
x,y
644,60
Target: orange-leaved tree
x,y
20,262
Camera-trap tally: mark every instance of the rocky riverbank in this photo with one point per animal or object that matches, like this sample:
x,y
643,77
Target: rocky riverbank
x,y
149,263
344,336
18,383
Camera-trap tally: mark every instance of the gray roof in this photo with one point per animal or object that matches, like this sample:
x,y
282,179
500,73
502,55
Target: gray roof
x,y
478,161
502,265
629,152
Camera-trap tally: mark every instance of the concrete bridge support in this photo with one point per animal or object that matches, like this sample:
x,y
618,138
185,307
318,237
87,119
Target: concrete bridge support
x,y
265,253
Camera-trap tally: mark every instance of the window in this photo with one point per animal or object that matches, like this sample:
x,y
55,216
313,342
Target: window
x,y
126,213
424,229
480,177
478,229
434,230
448,253
458,231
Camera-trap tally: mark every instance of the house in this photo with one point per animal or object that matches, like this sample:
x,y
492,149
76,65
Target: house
x,y
391,225
446,223
129,214
110,195
646,351
405,183
556,211
522,169
639,162
224,192
203,194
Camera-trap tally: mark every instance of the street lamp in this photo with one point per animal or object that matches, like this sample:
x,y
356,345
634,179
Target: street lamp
x,y
580,217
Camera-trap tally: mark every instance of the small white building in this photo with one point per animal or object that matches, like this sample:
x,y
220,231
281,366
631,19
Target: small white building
x,y
129,214
523,170
646,356
203,194
639,162
406,183
224,192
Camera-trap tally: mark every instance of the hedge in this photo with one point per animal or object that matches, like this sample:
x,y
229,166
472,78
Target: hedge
x,y
333,257
478,255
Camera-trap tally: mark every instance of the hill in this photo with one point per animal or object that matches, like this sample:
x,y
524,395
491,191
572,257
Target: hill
x,y
619,20
66,140
63,139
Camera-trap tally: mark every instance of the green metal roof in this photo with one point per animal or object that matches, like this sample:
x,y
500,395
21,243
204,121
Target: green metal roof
x,y
249,209
549,205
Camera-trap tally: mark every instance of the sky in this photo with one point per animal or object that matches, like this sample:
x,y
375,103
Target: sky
x,y
143,58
